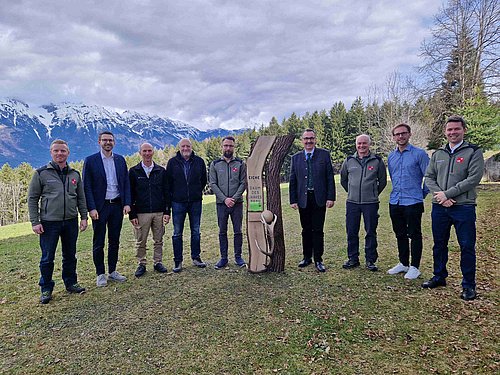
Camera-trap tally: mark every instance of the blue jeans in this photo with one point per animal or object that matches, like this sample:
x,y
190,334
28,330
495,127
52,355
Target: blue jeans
x,y
67,230
111,216
463,218
236,214
353,221
179,212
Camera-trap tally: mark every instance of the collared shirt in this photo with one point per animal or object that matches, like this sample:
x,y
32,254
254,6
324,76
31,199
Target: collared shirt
x,y
309,152
452,149
407,170
112,191
147,169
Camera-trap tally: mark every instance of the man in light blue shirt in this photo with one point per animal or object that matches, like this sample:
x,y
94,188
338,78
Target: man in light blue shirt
x,y
407,165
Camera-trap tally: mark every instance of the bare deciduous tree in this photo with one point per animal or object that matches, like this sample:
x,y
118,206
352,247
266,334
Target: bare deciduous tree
x,y
465,39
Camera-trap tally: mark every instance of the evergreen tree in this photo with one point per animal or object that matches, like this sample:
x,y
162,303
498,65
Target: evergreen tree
x,y
483,122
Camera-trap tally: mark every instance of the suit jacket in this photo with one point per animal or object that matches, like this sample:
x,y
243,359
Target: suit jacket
x,y
324,185
95,184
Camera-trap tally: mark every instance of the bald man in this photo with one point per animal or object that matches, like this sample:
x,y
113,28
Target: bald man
x,y
186,179
363,177
148,186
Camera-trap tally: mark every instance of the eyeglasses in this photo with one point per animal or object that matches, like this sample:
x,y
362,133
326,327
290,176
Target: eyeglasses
x,y
400,134
308,138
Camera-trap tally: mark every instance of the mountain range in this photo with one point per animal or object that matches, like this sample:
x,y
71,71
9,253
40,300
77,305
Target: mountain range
x,y
26,133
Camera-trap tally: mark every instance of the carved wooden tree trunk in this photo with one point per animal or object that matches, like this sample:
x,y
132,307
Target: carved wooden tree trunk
x,y
279,152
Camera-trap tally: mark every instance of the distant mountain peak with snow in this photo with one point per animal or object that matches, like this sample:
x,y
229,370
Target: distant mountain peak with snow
x,y
26,132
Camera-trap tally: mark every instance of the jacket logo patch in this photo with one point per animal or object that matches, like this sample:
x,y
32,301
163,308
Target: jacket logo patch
x,y
460,160
371,167
73,181
235,169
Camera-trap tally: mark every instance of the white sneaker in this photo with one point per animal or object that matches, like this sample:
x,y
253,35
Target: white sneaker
x,y
102,280
398,268
116,277
412,273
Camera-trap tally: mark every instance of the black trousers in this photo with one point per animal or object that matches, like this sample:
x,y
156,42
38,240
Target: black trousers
x,y
312,220
407,224
111,217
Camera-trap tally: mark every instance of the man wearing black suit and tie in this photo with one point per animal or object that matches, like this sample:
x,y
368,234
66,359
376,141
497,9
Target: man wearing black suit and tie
x,y
312,191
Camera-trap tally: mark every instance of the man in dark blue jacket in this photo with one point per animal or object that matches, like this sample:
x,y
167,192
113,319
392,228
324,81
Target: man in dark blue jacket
x,y
186,179
107,191
148,186
312,190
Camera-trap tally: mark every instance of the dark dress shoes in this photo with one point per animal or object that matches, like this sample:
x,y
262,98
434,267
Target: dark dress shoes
x,y
141,270
159,267
468,294
370,266
320,266
351,263
304,263
434,283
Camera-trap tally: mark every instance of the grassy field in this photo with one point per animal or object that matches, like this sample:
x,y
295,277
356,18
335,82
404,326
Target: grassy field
x,y
204,321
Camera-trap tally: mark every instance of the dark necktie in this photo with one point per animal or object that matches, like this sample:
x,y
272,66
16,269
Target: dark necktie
x,y
309,172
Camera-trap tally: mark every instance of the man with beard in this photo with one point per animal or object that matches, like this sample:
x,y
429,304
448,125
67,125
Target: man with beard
x,y
407,165
227,179
186,179
312,191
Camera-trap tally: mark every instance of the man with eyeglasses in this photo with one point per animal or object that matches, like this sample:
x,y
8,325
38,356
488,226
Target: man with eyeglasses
x,y
407,165
312,191
227,179
107,190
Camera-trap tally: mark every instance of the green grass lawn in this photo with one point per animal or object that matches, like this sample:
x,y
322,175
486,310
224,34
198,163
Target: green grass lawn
x,y
204,321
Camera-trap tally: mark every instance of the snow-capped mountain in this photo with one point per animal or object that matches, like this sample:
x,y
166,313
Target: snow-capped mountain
x,y
26,133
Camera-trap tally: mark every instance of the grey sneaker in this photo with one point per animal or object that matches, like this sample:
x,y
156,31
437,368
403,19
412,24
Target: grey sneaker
x,y
199,263
177,267
102,280
115,276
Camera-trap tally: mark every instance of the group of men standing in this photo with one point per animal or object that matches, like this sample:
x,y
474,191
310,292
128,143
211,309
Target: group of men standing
x,y
451,175
150,194
147,192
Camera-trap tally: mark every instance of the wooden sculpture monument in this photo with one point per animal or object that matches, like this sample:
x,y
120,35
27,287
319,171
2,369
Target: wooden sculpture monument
x,y
266,242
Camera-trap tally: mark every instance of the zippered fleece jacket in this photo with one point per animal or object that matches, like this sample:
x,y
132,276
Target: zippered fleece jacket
x,y
228,180
51,199
363,180
456,174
